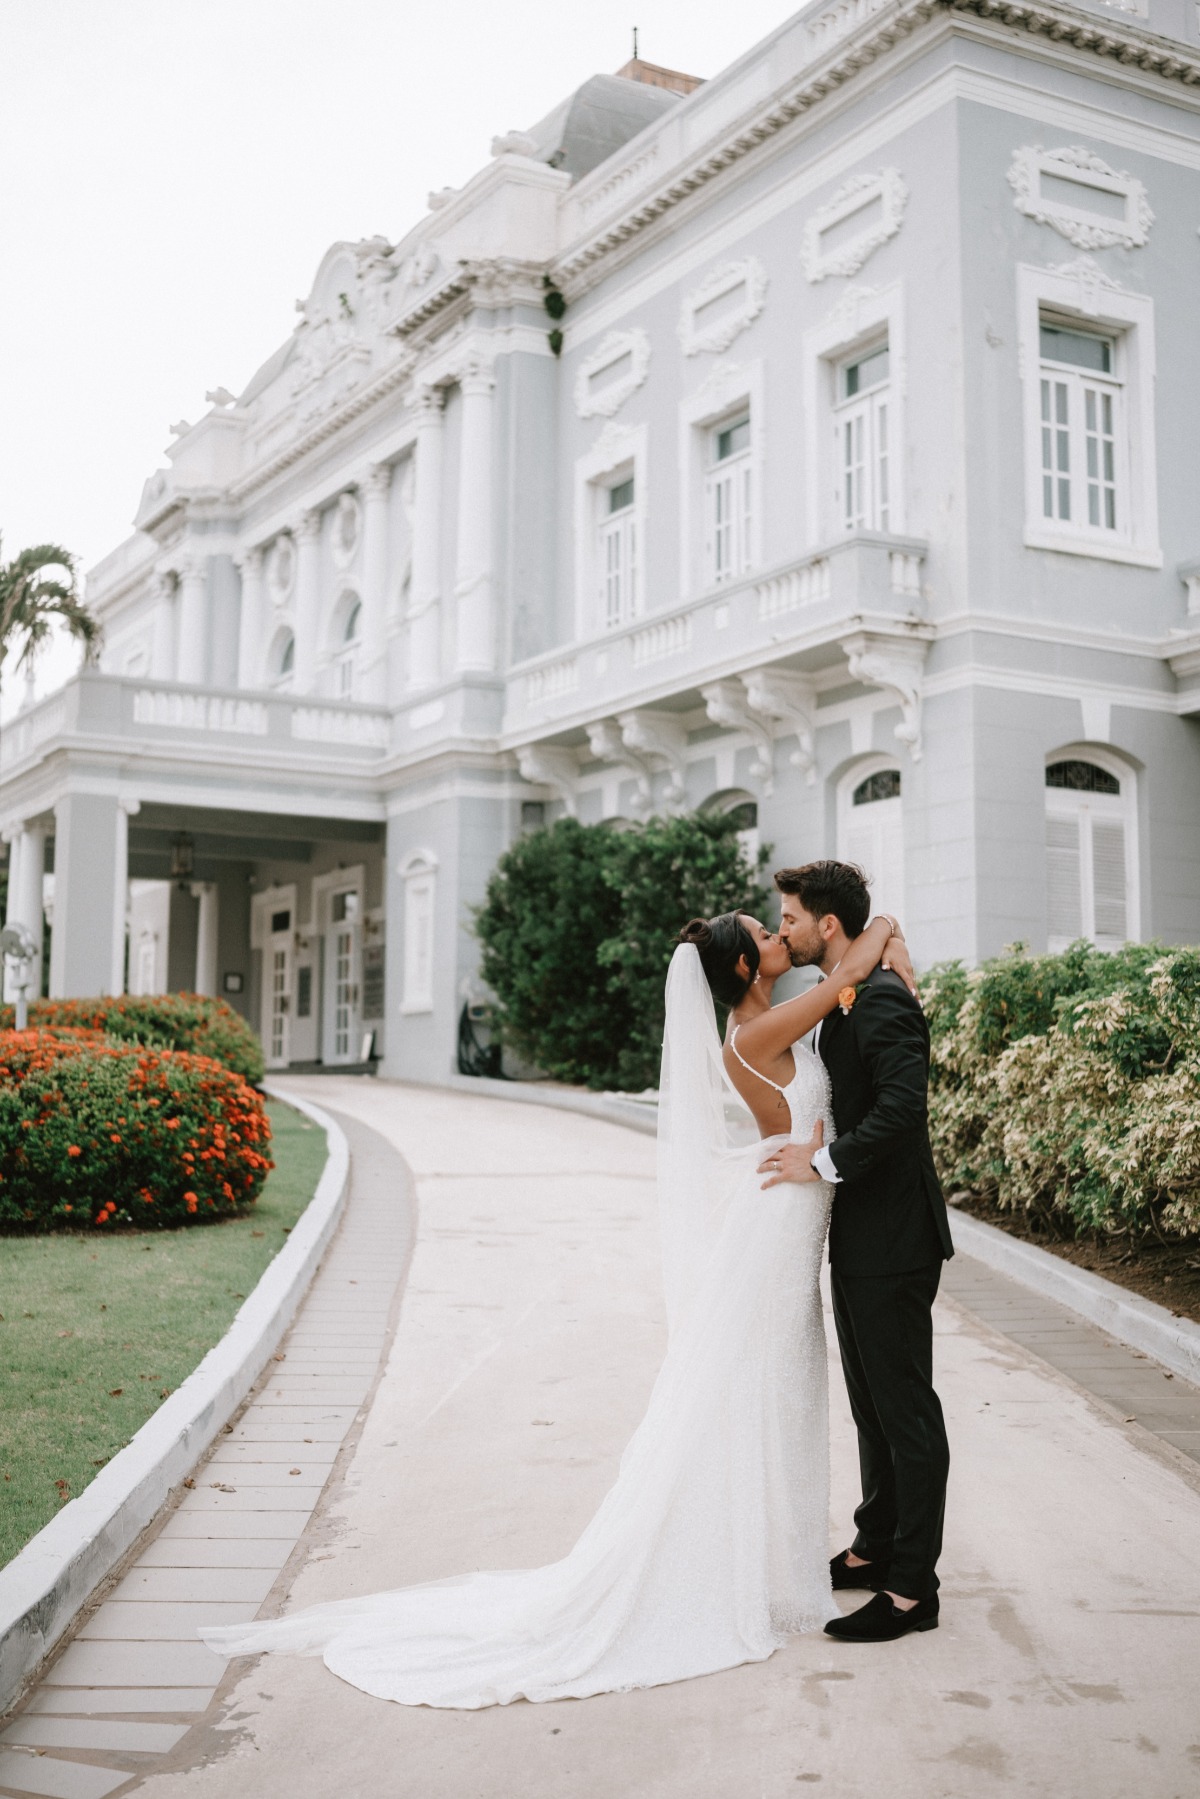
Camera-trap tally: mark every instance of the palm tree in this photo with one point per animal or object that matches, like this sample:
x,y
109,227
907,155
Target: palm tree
x,y
36,588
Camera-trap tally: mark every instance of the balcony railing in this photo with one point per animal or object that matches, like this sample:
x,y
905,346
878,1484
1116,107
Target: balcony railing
x,y
164,714
803,606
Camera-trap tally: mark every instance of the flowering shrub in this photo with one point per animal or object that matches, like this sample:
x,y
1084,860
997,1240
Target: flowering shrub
x,y
100,1133
188,1021
1070,1085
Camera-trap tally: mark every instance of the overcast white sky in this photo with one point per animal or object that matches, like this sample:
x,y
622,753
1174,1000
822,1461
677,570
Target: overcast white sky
x,y
171,172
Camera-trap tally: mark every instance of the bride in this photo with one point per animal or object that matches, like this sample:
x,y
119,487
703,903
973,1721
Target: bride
x,y
712,1546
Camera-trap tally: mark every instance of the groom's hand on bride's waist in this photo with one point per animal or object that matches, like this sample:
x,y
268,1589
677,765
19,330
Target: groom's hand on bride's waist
x,y
793,1161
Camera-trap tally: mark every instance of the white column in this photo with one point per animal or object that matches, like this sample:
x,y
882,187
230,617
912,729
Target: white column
x,y
250,621
192,658
162,652
29,891
424,608
374,594
475,627
308,571
116,979
206,935
17,844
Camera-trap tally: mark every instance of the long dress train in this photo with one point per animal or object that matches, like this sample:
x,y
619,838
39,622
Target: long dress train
x,y
712,1545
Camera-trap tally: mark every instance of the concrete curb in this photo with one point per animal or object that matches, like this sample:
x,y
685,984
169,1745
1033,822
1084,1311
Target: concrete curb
x,y
44,1587
1175,1342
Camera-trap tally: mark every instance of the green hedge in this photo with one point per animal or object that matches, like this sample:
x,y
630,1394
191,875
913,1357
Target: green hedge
x,y
187,1021
95,1133
578,927
1069,1085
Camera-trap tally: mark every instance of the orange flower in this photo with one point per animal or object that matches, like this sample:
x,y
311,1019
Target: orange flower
x,y
846,998
73,1149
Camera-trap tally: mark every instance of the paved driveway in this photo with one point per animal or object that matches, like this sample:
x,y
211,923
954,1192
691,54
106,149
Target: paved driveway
x,y
529,1335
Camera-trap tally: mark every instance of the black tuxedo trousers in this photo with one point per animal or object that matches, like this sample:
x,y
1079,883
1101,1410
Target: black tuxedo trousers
x,y
888,1238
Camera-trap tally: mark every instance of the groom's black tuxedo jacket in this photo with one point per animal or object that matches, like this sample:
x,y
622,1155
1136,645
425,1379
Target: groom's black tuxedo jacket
x,y
888,1211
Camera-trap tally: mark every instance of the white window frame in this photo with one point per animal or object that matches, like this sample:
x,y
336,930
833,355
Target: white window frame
x,y
729,504
620,452
731,391
1066,802
858,322
865,418
1076,298
861,771
616,553
419,874
262,905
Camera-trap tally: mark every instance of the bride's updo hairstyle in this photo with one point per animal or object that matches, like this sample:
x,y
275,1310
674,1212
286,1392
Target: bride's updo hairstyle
x,y
722,942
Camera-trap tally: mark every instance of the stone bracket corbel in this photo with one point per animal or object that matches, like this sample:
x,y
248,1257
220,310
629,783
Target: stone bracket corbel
x,y
551,765
897,667
642,742
788,700
729,705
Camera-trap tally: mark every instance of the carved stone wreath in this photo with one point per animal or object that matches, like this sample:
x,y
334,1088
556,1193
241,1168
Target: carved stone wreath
x,y
718,333
281,569
603,400
855,195
347,524
1085,229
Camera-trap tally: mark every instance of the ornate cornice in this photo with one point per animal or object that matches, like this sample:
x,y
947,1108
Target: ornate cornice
x,y
488,281
883,25
362,401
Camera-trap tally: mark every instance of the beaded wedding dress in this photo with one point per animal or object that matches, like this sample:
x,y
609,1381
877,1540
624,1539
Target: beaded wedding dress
x,y
712,1545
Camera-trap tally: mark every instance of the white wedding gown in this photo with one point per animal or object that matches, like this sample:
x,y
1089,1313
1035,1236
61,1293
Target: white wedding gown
x,y
712,1545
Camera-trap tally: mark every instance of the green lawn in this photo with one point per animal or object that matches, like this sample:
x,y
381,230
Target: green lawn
x,y
96,1331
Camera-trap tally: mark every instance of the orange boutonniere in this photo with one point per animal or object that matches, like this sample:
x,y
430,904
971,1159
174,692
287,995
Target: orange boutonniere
x,y
847,997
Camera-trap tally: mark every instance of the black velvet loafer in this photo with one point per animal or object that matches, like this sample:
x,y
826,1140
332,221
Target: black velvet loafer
x,y
879,1621
870,1578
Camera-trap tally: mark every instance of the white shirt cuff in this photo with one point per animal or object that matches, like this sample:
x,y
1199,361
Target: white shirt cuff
x,y
823,1163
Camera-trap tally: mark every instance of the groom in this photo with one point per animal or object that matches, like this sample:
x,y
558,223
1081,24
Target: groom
x,y
888,1238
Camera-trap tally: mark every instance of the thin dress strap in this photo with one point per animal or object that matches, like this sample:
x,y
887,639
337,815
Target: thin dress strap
x,y
741,1058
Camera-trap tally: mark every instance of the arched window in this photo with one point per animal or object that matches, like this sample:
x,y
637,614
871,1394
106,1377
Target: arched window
x,y
1091,859
347,633
871,832
282,661
742,807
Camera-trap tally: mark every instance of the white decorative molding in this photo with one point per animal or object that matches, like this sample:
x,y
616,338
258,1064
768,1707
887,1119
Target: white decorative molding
x,y
1086,227
514,143
347,529
552,765
789,701
329,724
728,706
1189,574
804,586
199,711
905,568
743,285
898,669
552,681
1090,282
881,197
607,744
666,637
627,353
725,383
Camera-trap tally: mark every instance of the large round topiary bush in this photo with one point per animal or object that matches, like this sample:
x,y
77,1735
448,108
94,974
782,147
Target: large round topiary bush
x,y
203,1025
97,1133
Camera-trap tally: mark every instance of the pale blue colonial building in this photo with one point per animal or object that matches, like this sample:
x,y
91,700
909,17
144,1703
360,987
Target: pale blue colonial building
x,y
822,439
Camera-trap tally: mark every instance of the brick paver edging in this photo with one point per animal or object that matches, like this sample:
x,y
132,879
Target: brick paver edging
x,y
44,1587
1175,1342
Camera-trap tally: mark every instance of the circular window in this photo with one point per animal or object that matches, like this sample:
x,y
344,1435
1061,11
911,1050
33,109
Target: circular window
x,y
1081,777
883,786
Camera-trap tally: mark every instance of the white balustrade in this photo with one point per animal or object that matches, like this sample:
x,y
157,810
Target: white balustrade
x,y
199,711
332,724
666,637
552,681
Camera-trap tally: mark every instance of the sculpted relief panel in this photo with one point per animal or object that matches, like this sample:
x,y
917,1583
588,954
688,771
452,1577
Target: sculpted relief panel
x,y
1079,195
860,216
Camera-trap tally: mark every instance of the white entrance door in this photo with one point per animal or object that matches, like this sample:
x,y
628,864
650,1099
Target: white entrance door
x,y
277,991
343,960
871,834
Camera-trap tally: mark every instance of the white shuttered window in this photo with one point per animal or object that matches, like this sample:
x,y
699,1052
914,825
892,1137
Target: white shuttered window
x,y
729,499
1090,861
862,422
